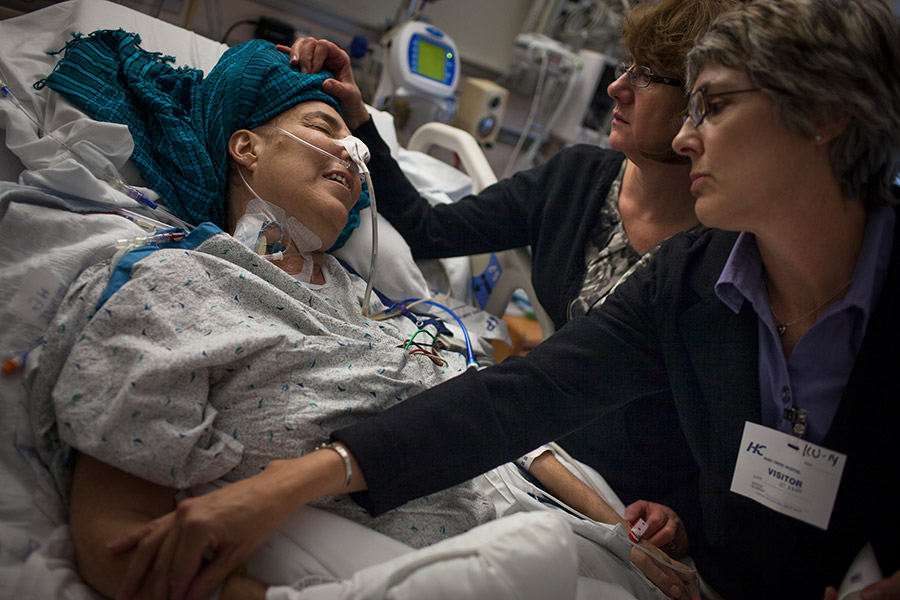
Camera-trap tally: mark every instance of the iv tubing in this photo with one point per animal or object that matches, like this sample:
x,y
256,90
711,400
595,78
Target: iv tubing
x,y
470,353
102,174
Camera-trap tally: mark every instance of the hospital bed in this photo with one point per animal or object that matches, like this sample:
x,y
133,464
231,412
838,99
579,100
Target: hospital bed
x,y
45,241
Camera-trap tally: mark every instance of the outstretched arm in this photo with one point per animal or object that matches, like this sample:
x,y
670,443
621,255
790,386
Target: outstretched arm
x,y
563,484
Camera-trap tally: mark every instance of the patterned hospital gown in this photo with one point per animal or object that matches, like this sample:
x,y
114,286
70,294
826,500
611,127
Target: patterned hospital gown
x,y
609,257
208,363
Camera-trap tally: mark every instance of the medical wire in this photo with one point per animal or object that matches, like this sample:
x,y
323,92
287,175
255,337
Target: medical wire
x,y
433,354
402,306
102,173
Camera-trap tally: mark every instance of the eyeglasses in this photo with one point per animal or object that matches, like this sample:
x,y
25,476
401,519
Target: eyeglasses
x,y
640,76
698,103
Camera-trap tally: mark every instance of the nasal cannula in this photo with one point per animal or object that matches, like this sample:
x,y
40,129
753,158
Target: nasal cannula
x,y
102,173
359,154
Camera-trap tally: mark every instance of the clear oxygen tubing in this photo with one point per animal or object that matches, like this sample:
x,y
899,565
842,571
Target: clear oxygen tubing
x,y
102,173
359,154
353,167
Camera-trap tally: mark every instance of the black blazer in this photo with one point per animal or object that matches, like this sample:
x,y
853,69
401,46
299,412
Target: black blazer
x,y
664,332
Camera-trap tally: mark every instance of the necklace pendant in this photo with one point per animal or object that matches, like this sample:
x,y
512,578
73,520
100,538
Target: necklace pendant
x,y
781,329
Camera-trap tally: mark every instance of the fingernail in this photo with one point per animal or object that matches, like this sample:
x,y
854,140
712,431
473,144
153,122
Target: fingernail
x,y
675,592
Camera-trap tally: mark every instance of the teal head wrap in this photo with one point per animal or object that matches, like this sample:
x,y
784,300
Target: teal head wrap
x,y
181,121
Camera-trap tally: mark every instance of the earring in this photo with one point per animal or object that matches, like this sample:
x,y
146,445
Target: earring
x,y
818,138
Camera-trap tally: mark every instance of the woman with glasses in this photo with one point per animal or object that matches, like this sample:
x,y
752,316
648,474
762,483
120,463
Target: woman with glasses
x,y
591,217
774,333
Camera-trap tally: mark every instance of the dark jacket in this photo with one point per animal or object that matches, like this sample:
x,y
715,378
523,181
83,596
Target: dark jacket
x,y
665,332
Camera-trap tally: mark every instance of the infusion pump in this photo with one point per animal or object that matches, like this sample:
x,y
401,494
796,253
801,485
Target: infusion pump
x,y
419,60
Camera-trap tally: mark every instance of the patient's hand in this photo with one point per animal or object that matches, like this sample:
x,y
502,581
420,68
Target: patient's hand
x,y
560,482
664,527
311,55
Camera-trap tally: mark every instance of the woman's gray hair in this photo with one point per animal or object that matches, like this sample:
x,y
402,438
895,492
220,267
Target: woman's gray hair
x,y
819,60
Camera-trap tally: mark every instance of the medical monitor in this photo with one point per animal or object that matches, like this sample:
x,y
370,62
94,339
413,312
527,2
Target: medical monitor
x,y
587,114
422,60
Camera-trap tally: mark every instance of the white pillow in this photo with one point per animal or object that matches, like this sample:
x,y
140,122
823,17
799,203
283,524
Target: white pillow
x,y
526,556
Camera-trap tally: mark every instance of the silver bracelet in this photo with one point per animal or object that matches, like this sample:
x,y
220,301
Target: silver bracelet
x,y
342,452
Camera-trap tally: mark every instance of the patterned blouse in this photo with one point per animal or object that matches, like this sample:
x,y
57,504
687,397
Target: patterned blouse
x,y
609,256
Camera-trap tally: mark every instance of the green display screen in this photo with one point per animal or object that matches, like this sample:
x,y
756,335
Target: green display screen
x,y
431,60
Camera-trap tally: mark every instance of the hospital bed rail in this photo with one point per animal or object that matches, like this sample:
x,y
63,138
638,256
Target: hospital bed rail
x,y
515,264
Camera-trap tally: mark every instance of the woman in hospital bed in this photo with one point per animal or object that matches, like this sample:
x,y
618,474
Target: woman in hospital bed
x,y
200,359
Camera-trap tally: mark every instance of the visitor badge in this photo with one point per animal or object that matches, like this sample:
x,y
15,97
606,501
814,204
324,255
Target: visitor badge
x,y
787,474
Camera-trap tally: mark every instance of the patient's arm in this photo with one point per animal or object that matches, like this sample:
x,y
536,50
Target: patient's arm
x,y
107,503
565,486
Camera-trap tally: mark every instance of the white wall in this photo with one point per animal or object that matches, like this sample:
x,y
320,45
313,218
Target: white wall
x,y
483,30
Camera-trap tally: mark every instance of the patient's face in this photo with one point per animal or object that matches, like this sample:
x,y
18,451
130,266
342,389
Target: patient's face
x,y
317,190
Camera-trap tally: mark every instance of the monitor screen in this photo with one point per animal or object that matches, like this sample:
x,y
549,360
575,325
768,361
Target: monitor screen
x,y
431,59
597,114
